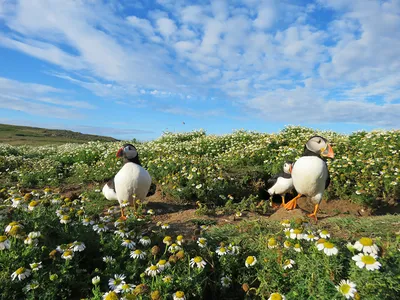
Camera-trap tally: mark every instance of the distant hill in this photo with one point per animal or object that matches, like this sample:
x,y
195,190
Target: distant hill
x,y
21,135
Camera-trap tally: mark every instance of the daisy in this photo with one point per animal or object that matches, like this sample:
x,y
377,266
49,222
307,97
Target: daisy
x,y
87,221
10,227
111,295
272,243
288,264
287,244
67,255
163,264
204,227
16,202
78,246
310,237
198,261
31,286
118,279
174,248
367,260
36,266
125,288
32,205
286,231
145,241
221,251
328,248
100,228
165,226
152,270
128,243
21,274
138,254
297,247
55,201
226,281
124,203
296,233
151,212
167,279
347,288
4,242
179,295
233,249
324,234
366,245
285,223
108,259
250,261
179,240
167,240
202,242
121,233
276,296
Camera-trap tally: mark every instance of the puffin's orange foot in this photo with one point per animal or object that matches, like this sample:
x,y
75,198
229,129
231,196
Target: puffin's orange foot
x,y
314,216
123,217
292,204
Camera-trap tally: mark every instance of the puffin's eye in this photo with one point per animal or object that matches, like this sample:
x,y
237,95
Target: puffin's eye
x,y
319,141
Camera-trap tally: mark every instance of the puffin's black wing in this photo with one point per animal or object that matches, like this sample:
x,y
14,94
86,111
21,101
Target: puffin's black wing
x,y
328,180
271,181
111,184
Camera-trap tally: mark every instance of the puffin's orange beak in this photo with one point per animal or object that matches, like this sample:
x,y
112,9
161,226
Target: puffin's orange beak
x,y
290,169
328,152
119,153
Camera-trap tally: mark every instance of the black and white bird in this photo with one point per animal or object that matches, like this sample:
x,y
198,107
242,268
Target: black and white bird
x,y
310,172
281,183
131,182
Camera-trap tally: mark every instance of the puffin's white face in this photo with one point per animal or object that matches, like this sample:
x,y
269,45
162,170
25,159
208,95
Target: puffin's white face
x,y
287,168
129,151
320,146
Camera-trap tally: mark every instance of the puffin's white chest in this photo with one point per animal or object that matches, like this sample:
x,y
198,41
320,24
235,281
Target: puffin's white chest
x,y
282,186
309,176
132,179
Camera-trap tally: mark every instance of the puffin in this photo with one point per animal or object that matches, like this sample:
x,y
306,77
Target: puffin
x,y
131,180
310,173
281,183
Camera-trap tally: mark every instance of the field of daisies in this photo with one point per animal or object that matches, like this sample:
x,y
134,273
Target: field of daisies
x,y
58,247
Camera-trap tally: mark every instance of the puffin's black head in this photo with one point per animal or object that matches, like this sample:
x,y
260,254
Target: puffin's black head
x,y
129,153
287,167
318,146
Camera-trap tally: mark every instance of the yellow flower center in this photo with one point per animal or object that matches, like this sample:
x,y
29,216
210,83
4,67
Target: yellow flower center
x,y
344,289
321,241
368,259
153,268
125,286
287,243
250,260
202,241
179,294
33,203
111,296
276,296
127,241
297,246
287,262
328,245
198,259
14,230
162,262
295,231
324,232
2,238
20,271
272,241
14,223
366,241
222,249
65,218
68,253
179,238
137,251
167,239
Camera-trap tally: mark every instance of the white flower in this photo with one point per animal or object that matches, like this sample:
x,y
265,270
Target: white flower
x,y
65,219
199,186
288,264
272,243
324,234
250,261
96,280
138,254
36,266
87,221
179,295
202,242
16,202
233,249
285,223
366,245
21,274
152,270
179,240
78,246
310,237
174,248
226,281
121,232
347,288
125,288
110,295
108,259
198,261
165,226
328,248
296,234
67,255
163,264
100,228
151,212
31,286
297,248
4,242
221,251
368,261
118,279
145,241
276,296
128,243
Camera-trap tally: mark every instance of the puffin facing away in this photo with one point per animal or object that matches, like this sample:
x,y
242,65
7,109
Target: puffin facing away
x,y
310,172
132,180
282,183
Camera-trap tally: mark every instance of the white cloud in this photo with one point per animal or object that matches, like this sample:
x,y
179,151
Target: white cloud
x,y
166,27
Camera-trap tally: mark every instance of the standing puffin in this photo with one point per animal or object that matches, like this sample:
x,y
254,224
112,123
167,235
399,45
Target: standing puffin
x,y
131,180
310,172
282,183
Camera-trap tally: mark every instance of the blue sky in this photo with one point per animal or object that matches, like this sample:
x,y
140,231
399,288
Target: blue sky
x,y
135,70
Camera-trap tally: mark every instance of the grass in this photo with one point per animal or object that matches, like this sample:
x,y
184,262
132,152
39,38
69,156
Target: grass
x,y
24,135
